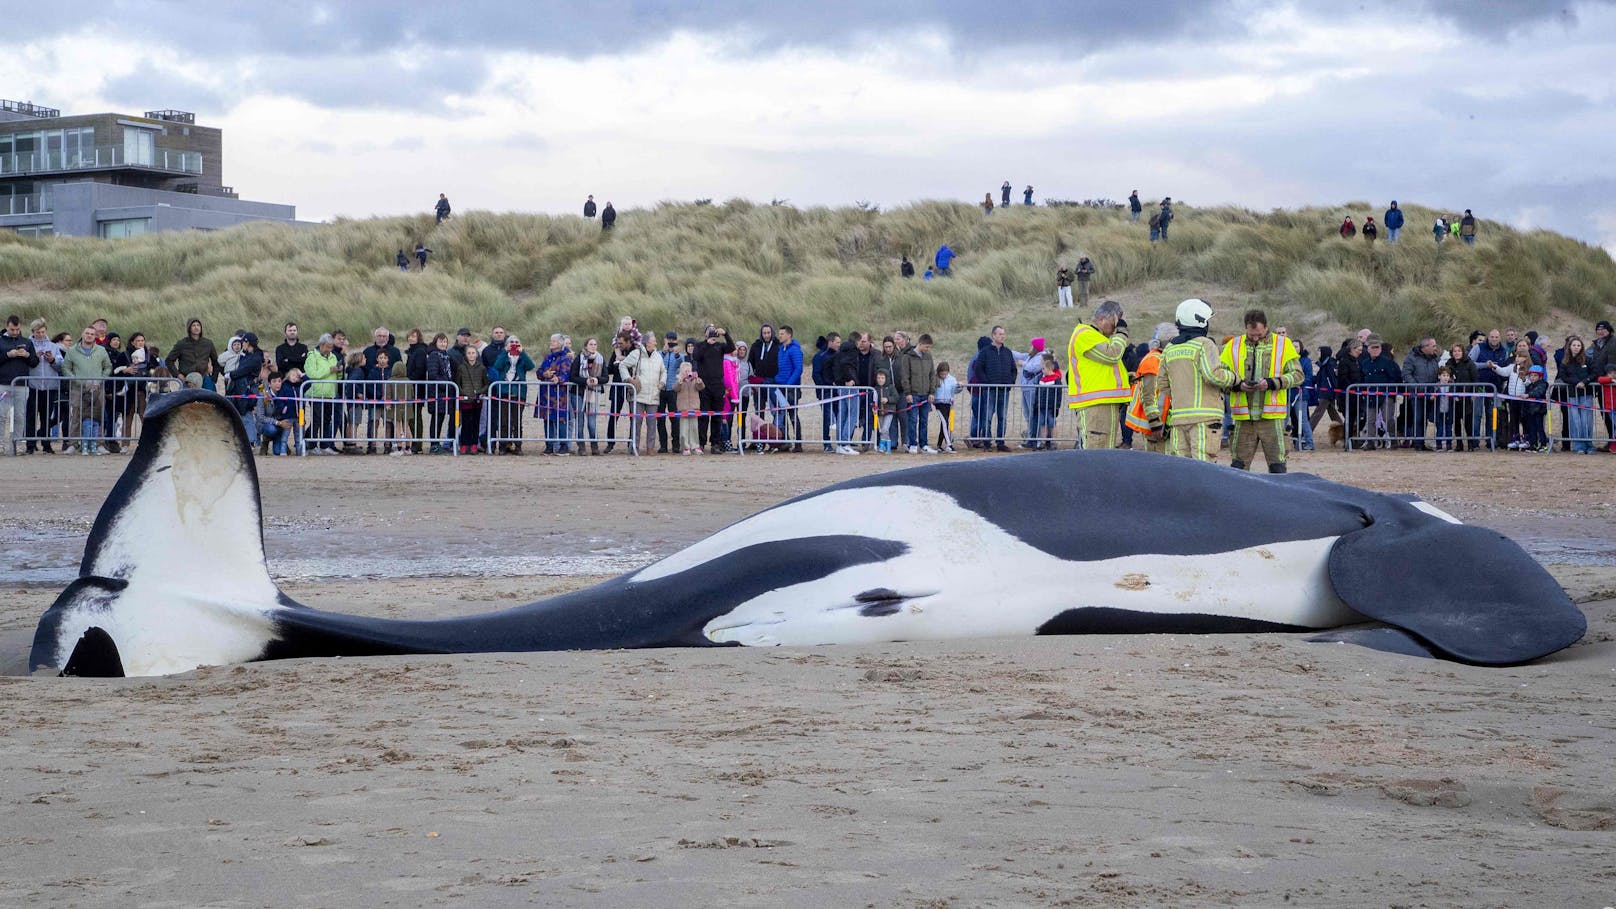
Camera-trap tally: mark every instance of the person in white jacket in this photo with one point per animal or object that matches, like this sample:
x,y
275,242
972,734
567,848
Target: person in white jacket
x,y
643,368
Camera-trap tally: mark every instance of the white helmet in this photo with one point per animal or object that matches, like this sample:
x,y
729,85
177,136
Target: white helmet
x,y
1194,313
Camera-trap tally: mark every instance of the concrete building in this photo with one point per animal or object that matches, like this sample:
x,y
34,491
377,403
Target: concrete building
x,y
116,175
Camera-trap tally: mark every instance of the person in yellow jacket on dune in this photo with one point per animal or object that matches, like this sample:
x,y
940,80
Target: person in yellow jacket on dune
x,y
1096,379
1266,365
1190,387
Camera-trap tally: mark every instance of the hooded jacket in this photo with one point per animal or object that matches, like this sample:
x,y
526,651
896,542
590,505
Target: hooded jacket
x,y
393,354
415,361
12,368
852,366
1393,218
708,359
1419,369
973,371
821,363
188,354
321,369
764,356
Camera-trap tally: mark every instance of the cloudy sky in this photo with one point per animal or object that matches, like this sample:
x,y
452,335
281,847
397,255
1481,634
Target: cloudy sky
x,y
360,108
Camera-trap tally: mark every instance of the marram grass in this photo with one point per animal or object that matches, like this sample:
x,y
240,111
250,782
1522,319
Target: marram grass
x,y
679,265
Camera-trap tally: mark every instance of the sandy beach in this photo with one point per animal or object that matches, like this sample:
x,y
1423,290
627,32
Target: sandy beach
x,y
1241,770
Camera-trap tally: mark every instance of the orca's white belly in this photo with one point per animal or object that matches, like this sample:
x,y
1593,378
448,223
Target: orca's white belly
x,y
964,576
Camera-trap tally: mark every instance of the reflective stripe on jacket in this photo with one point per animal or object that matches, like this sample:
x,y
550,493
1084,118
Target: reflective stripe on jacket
x,y
1095,374
1143,405
1277,361
1194,378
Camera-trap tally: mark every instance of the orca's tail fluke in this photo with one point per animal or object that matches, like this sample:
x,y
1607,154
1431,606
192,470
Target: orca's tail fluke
x,y
173,575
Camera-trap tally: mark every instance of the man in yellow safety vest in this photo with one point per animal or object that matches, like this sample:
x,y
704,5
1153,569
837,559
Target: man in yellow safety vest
x,y
1266,365
1194,380
1096,379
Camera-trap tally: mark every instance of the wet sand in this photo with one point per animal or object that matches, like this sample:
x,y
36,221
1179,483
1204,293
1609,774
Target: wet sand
x,y
1105,771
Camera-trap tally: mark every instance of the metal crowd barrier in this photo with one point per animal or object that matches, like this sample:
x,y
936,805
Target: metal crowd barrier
x,y
1578,421
82,414
1382,415
388,413
1017,415
531,411
805,415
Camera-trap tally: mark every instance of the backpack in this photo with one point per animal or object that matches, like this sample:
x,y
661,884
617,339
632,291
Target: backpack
x,y
1155,220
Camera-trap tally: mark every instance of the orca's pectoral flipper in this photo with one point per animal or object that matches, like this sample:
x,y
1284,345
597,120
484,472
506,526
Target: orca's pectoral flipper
x,y
1470,593
1377,637
95,656
173,571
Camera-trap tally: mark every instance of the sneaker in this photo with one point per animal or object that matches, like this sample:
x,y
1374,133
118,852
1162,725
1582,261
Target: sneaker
x,y
928,450
1000,448
913,450
949,449
397,453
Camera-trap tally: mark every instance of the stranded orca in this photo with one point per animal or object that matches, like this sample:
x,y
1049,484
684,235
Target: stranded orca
x,y
174,575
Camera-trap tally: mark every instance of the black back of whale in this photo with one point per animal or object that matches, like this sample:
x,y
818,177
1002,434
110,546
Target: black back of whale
x,y
1468,593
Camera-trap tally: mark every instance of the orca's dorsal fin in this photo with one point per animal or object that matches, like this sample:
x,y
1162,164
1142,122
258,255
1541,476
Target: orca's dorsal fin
x,y
95,656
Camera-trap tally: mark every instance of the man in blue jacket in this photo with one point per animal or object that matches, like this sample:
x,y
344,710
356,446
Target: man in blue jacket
x,y
945,259
997,364
1393,219
787,398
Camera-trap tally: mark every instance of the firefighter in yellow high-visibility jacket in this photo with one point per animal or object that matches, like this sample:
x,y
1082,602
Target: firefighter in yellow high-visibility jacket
x,y
1266,365
1096,379
1189,390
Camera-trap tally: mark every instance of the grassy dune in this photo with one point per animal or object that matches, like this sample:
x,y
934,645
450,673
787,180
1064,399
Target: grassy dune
x,y
678,265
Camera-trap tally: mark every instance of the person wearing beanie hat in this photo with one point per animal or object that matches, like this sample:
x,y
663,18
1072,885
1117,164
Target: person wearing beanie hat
x,y
1096,378
1537,390
1600,357
1030,368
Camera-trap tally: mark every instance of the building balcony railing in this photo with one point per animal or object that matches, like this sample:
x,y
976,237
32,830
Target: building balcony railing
x,y
100,157
28,204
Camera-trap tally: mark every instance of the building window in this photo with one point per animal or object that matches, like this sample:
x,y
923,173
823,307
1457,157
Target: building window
x,y
125,227
39,230
139,146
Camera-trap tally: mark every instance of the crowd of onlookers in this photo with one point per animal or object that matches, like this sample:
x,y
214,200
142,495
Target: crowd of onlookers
x,y
1497,389
709,392
1460,226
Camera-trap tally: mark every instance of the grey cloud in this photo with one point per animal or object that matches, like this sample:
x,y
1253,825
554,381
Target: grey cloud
x,y
150,86
349,44
374,80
